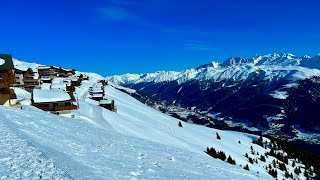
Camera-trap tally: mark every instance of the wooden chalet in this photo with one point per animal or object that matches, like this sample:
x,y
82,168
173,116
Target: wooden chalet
x,y
103,82
76,80
97,91
65,86
7,80
85,77
18,75
107,104
30,80
47,71
53,71
97,97
55,101
69,86
61,72
46,79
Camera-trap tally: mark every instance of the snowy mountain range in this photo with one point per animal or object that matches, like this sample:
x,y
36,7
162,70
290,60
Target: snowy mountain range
x,y
137,142
261,94
271,66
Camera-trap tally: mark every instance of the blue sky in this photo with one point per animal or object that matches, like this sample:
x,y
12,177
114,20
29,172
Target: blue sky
x,y
130,36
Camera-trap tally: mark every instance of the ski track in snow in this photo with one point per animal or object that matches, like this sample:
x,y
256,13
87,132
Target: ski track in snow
x,y
20,159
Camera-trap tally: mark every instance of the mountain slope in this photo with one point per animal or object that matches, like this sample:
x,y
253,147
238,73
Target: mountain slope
x,y
132,143
249,92
138,142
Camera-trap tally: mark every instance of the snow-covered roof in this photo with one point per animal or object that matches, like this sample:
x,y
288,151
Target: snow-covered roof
x,y
41,96
97,95
43,67
46,78
105,101
74,79
62,86
96,90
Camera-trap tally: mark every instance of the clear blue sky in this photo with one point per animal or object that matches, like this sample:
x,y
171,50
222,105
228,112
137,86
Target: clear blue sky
x,y
130,36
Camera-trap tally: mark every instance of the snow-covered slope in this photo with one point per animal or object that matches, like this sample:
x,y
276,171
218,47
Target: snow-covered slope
x,y
271,67
137,142
25,65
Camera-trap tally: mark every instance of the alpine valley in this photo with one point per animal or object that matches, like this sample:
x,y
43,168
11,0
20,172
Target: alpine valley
x,y
274,95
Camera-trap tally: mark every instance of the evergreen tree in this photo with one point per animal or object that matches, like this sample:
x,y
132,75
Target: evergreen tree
x,y
231,161
287,175
218,136
306,174
239,142
246,155
274,163
212,152
282,166
251,160
246,167
262,158
180,124
222,155
293,164
259,141
273,173
291,175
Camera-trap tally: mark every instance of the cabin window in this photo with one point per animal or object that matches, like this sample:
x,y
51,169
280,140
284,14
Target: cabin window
x,y
1,75
61,104
51,105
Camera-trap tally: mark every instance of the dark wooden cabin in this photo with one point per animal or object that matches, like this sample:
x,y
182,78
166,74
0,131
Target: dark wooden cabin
x,y
7,80
107,104
29,80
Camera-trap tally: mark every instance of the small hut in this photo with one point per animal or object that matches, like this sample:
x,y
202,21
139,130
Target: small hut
x,y
108,104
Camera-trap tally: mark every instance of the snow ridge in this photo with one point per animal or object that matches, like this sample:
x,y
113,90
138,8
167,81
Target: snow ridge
x,y
271,66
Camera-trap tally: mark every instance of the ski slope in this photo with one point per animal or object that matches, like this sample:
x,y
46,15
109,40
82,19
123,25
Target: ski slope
x,y
41,144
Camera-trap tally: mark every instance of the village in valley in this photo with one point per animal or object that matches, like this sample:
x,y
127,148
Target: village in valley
x,y
53,89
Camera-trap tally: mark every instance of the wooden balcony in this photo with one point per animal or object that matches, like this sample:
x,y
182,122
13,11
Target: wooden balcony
x,y
64,108
58,108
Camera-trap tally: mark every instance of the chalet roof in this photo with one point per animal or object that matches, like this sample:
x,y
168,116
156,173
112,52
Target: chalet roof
x,y
6,61
45,78
43,67
62,86
18,71
55,67
45,96
96,90
97,95
105,101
